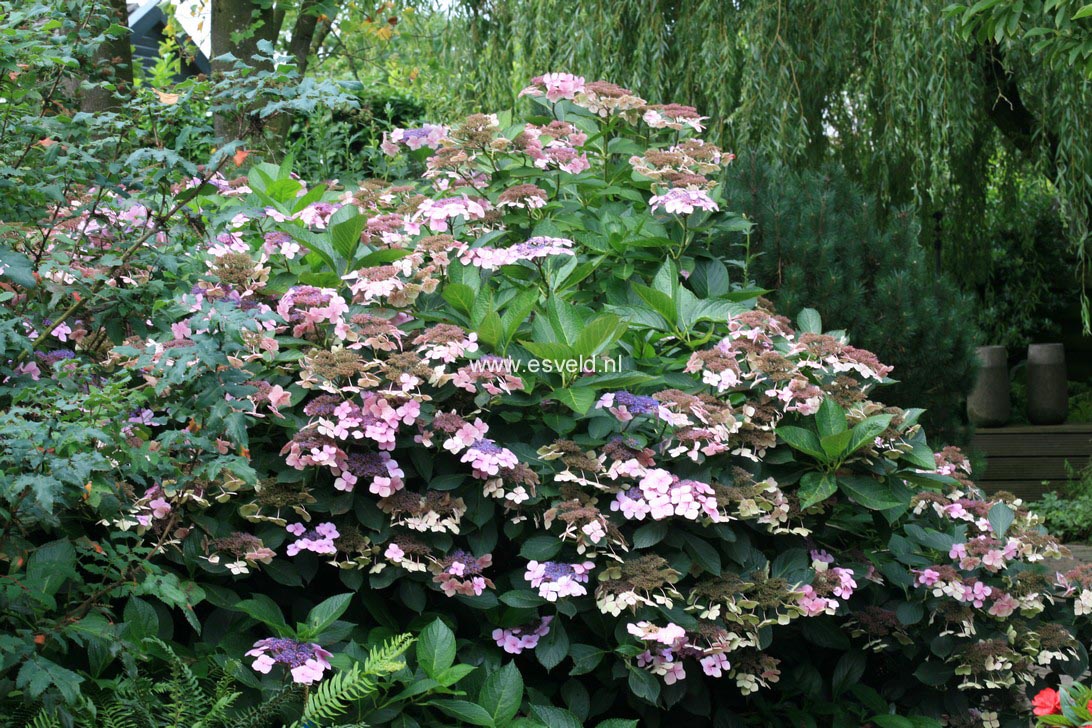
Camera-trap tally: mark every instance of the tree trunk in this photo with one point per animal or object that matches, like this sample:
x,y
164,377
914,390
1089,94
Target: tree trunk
x,y
300,47
112,64
303,33
251,23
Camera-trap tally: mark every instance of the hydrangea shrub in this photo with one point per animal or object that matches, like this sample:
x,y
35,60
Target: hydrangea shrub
x,y
520,392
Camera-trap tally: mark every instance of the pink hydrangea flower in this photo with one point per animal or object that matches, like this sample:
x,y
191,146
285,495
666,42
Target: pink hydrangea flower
x,y
461,573
812,604
555,86
680,201
438,214
382,473
305,660
928,577
488,458
714,665
320,539
515,640
555,579
427,135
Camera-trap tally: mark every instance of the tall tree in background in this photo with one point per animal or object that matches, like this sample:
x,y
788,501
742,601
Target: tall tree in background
x,y
915,102
104,76
239,28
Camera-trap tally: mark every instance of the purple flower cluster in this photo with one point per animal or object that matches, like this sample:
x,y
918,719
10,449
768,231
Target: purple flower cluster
x,y
661,494
305,660
555,579
683,201
488,458
320,539
427,135
625,405
515,640
379,470
460,572
535,248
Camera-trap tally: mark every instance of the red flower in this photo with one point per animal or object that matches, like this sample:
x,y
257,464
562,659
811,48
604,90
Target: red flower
x,y
1047,702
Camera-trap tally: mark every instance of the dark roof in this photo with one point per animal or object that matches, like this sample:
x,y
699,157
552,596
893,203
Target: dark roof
x,y
146,23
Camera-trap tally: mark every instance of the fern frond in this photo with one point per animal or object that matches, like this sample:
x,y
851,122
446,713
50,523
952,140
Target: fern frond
x,y
261,716
137,695
333,697
189,702
45,718
118,715
223,697
19,715
384,660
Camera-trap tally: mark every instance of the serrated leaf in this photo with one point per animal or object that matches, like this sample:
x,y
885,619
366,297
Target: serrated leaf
x,y
809,321
263,609
710,278
491,330
325,613
564,319
869,492
660,302
816,488
1001,518
649,534
578,399
454,674
909,612
598,334
553,647
436,649
644,685
461,296
555,717
934,673
704,554
542,547
502,694
920,457
38,674
830,419
522,598
867,430
346,227
17,268
803,440
836,446
585,658
465,711
50,565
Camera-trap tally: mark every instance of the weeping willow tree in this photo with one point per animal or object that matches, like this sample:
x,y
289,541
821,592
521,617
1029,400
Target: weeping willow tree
x,y
922,103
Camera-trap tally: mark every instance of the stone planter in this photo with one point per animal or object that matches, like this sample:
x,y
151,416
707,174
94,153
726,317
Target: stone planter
x,y
988,404
1048,392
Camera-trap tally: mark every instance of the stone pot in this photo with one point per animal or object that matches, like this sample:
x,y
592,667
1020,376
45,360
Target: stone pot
x,y
988,404
1048,391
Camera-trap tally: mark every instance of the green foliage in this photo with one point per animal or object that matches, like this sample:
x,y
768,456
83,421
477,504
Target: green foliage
x,y
341,141
159,456
1060,30
334,696
1028,286
1068,512
819,241
915,102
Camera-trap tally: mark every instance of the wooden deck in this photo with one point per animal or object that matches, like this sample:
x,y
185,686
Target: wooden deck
x,y
1019,459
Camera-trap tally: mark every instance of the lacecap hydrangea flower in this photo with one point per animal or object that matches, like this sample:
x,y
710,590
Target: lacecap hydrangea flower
x,y
305,660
